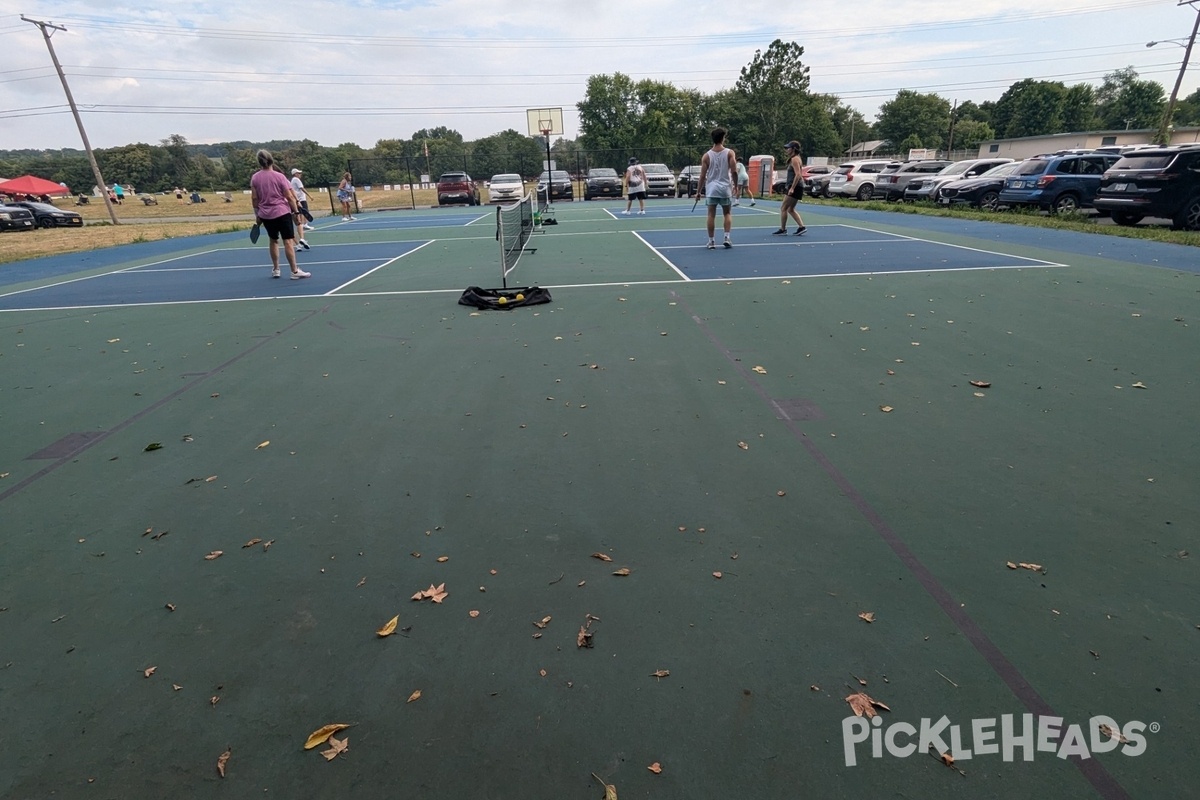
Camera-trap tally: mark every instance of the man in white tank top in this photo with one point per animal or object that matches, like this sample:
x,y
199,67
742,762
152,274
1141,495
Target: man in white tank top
x,y
718,173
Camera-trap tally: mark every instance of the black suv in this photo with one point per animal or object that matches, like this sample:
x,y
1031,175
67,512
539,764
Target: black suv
x,y
602,182
1154,182
560,185
688,181
457,187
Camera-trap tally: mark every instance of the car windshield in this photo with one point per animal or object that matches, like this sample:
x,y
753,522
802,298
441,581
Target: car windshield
x,y
1001,170
41,207
1132,161
506,179
559,175
602,172
656,168
958,168
452,177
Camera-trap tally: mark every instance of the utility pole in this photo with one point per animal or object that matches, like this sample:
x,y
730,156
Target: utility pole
x,y
950,137
47,29
1164,136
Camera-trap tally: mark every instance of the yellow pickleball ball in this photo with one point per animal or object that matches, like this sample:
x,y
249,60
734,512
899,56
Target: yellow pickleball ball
x,y
520,296
502,300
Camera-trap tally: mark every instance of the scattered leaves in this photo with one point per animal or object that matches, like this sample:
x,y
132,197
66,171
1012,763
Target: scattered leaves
x,y
251,543
718,575
543,622
148,671
389,627
760,370
867,616
623,571
863,705
542,672
886,409
584,637
656,768
743,445
1139,385
267,544
982,384
324,732
336,748
415,696
660,673
781,493
473,613
814,688
1110,733
601,556
222,760
261,445
215,554
152,446
361,582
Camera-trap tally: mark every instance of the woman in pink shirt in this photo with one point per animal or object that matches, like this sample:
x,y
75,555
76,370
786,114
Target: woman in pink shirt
x,y
275,207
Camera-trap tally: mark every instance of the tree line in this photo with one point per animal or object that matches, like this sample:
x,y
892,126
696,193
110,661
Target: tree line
x,y
770,104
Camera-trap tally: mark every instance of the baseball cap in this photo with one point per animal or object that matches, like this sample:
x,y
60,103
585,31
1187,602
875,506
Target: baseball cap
x,y
633,161
793,145
296,171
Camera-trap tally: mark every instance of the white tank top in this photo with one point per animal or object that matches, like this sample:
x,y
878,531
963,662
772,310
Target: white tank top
x,y
716,180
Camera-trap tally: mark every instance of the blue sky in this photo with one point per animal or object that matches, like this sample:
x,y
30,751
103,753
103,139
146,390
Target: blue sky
x,y
364,70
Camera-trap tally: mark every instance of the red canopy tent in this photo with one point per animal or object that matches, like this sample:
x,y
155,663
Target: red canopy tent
x,y
31,184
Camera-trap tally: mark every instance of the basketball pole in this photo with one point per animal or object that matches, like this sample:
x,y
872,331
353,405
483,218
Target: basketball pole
x,y
549,171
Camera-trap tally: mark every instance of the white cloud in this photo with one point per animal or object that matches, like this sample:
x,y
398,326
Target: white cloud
x,y
369,69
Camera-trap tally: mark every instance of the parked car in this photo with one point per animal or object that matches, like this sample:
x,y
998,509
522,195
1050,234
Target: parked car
x,y
856,179
779,181
1153,182
659,180
46,215
457,187
602,182
560,185
892,181
981,192
927,188
506,188
15,218
811,176
688,181
1057,183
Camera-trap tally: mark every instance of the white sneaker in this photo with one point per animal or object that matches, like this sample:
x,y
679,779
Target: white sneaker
x,y
737,202
304,244
626,213
275,272
298,274
642,213
351,218
712,245
728,244
751,202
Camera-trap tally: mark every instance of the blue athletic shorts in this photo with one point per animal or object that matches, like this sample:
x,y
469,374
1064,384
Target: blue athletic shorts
x,y
724,202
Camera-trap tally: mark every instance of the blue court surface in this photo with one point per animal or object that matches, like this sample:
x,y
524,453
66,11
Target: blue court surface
x,y
220,274
823,250
407,220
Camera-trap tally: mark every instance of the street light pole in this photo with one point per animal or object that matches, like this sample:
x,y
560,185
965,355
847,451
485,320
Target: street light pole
x,y
1163,136
46,28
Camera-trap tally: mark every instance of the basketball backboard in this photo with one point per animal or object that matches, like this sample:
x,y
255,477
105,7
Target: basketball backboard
x,y
545,121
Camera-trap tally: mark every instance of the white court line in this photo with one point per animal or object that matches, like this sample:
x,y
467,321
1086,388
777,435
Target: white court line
x,y
240,266
781,242
666,260
477,219
959,246
381,266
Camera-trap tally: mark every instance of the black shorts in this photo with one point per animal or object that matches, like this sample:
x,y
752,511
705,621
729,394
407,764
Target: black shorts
x,y
797,193
280,227
636,194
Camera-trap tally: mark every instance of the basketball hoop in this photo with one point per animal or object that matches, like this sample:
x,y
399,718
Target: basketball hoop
x,y
545,122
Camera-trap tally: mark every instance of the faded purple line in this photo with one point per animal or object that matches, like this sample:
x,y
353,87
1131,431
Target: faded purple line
x,y
1091,768
102,435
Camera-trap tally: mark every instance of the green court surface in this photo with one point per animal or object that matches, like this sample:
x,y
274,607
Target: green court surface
x,y
771,453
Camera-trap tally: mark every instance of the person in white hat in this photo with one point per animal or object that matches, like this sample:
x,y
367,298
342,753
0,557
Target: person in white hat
x,y
302,201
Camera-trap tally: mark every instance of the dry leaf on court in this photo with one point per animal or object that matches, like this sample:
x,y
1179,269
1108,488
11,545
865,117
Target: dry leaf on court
x,y
867,616
214,554
1139,385
543,622
660,673
718,575
1010,565
656,768
336,747
982,384
1034,567
435,593
542,672
148,671
261,445
584,637
152,446
222,760
1110,733
414,696
473,613
761,370
886,409
947,759
389,628
443,559
251,543
601,556
324,732
623,571
863,705
610,791
210,479
743,445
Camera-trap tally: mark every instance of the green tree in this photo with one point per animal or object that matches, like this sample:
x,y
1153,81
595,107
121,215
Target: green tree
x,y
775,88
911,114
1079,108
1187,110
608,114
1030,108
131,165
970,133
1125,102
175,148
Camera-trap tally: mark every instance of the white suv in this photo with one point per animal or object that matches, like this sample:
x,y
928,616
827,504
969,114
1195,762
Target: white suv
x,y
659,180
856,178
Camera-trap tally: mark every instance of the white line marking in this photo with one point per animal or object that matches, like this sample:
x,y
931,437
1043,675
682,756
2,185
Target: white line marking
x,y
666,260
381,266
